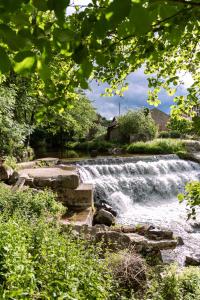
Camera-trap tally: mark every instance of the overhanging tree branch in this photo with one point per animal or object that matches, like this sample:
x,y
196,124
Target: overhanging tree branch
x,y
192,3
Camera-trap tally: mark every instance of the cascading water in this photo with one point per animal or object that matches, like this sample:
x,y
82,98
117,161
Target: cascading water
x,y
144,190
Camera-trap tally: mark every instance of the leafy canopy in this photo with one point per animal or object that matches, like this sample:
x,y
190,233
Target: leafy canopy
x,y
107,40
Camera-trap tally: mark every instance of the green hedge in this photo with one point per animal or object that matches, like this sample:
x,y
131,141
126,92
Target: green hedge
x,y
159,146
99,145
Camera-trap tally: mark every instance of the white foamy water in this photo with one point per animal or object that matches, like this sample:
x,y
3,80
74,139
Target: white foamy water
x,y
145,191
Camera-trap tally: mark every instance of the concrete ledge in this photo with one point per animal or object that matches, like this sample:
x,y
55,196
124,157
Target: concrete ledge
x,y
77,199
54,178
79,218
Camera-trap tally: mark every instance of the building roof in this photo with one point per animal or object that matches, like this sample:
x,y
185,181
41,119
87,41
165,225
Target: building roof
x,y
156,110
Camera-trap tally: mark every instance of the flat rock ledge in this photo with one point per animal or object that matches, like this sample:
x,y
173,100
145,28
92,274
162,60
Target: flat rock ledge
x,y
113,239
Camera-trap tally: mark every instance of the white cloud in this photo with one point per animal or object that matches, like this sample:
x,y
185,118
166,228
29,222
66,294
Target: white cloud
x,y
71,10
134,97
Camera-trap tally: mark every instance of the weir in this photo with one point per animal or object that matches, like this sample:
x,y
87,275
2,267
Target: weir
x,y
144,190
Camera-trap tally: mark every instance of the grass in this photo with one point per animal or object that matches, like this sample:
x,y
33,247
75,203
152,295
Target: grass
x,y
158,146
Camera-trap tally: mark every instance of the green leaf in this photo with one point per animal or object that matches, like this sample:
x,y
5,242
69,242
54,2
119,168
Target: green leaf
x,y
4,61
40,5
80,53
25,65
118,11
43,70
22,55
63,35
140,19
59,6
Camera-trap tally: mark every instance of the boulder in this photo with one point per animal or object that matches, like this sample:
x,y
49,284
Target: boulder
x,y
192,260
142,243
179,241
159,234
112,240
13,178
104,217
124,229
142,229
5,173
115,151
107,207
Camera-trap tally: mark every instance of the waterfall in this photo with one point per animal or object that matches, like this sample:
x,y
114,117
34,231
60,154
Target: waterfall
x,y
124,182
144,189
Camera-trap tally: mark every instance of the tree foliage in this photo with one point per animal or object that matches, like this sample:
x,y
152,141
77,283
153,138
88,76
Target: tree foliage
x,y
107,40
192,198
75,119
12,132
181,125
138,124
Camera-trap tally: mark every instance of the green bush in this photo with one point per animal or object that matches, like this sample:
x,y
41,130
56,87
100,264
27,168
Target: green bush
x,y
175,134
192,198
71,154
40,262
29,204
10,162
159,146
164,134
175,284
100,145
137,123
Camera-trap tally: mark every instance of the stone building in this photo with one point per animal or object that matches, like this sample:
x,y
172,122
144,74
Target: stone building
x,y
160,118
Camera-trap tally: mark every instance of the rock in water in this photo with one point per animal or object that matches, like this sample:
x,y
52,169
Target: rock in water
x,y
107,207
192,260
104,217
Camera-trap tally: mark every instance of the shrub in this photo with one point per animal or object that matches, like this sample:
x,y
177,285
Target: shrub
x,y
175,284
29,204
40,262
166,146
192,198
164,134
71,154
10,162
129,270
100,145
137,123
175,134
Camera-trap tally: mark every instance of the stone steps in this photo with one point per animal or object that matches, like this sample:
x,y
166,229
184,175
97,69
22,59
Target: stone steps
x,y
80,218
141,241
65,182
79,198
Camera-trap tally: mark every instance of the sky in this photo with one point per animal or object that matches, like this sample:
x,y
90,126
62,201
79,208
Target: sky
x,y
135,96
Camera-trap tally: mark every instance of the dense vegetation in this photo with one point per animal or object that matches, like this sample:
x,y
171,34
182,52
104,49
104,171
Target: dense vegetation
x,y
137,124
159,146
47,58
41,261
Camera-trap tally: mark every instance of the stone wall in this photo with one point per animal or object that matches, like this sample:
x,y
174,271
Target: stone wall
x,y
74,195
160,118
